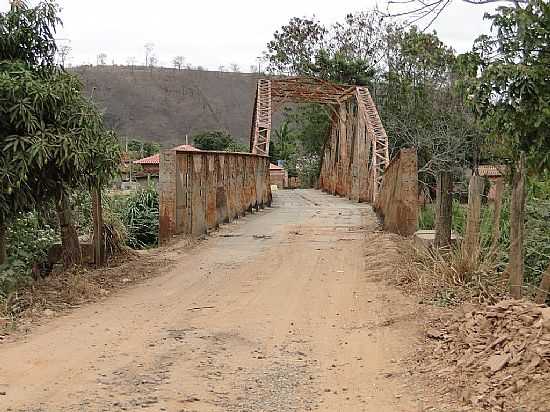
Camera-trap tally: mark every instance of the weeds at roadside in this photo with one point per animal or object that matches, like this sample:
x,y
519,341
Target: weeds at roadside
x,y
74,287
448,278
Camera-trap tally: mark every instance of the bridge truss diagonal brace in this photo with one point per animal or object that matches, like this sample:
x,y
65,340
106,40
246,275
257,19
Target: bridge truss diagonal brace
x,y
380,158
262,118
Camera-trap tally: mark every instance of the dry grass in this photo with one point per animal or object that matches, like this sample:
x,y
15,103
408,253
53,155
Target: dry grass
x,y
79,285
449,277
441,277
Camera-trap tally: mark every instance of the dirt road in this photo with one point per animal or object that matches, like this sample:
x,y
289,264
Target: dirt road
x,y
274,313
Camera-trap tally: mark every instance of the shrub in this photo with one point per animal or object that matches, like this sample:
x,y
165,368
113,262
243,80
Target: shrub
x,y
426,218
29,238
141,218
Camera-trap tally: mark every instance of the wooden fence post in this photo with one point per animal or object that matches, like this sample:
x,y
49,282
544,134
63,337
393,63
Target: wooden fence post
x,y
544,288
98,232
517,215
444,210
3,245
495,236
470,244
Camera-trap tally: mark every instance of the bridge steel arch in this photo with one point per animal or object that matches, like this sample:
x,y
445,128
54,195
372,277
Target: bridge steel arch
x,y
356,152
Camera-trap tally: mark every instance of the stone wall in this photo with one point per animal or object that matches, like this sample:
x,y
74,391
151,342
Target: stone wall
x,y
200,190
397,202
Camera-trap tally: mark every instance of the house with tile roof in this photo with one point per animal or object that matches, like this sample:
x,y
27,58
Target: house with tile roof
x,y
493,173
151,164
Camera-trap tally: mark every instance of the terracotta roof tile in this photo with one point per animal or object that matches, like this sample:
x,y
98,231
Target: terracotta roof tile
x,y
155,159
492,170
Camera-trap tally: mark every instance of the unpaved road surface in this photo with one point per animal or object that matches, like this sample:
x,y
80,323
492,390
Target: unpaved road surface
x,y
274,313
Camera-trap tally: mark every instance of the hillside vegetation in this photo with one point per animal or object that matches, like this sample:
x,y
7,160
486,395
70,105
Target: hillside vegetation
x,y
164,105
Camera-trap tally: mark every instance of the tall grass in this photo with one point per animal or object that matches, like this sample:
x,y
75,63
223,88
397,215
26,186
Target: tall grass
x,y
537,229
141,218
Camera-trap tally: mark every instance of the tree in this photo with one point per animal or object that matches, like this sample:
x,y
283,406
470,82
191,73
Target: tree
x,y
234,67
512,95
417,11
149,49
237,147
143,149
153,60
64,52
52,138
218,140
27,34
131,61
178,62
420,99
347,52
512,98
294,46
360,35
284,140
101,59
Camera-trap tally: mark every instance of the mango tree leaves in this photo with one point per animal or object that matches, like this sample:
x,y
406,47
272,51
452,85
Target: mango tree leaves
x,y
50,135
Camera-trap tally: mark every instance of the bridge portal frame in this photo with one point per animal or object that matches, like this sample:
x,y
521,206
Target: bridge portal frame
x,y
356,153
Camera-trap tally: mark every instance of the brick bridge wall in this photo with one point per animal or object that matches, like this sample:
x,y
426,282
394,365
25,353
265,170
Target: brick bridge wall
x,y
397,202
200,190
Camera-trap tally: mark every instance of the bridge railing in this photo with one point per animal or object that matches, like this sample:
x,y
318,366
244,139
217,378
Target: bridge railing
x,y
200,190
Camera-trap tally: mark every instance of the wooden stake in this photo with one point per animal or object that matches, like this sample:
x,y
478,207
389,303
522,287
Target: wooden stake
x,y
98,235
444,210
470,245
499,189
3,246
544,288
517,215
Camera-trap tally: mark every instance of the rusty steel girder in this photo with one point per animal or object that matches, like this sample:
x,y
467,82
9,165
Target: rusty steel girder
x,y
357,151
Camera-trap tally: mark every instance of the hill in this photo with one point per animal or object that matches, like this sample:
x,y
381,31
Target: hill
x,y
164,105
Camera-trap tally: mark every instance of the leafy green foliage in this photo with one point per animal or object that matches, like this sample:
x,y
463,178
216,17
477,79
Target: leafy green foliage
x,y
300,139
237,147
27,34
282,145
141,218
346,52
52,139
139,149
512,95
415,78
29,239
294,45
50,136
218,140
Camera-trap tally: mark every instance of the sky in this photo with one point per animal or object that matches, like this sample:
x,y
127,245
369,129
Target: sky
x,y
215,33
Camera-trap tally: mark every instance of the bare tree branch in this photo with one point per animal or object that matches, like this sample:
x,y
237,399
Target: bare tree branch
x,y
431,10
